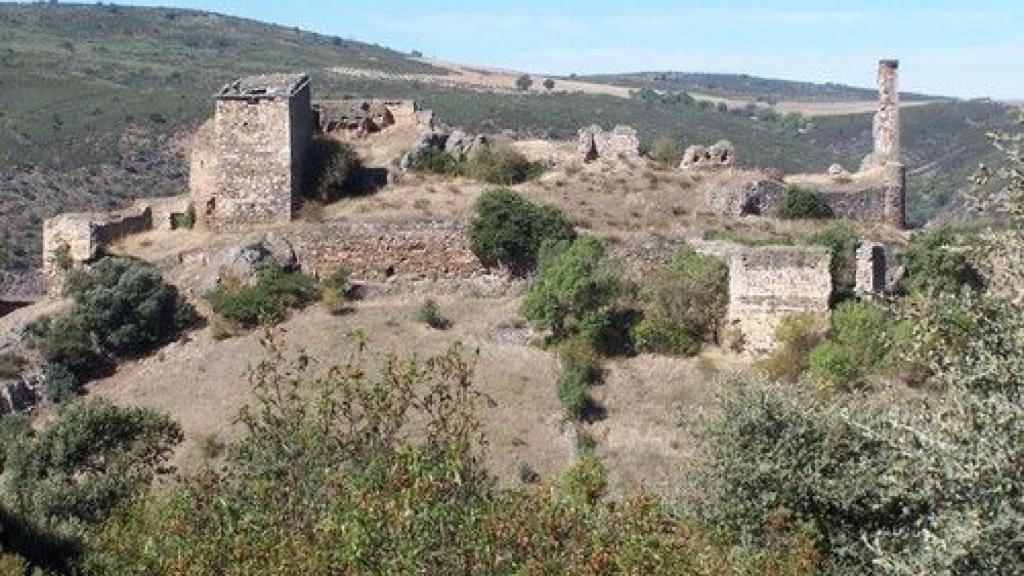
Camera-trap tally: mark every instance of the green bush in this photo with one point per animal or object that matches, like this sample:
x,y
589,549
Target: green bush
x,y
266,301
667,151
864,331
524,82
127,305
86,462
430,314
508,229
573,282
682,304
500,164
60,384
336,290
586,480
661,335
841,240
795,336
330,165
434,161
935,261
69,343
799,204
831,365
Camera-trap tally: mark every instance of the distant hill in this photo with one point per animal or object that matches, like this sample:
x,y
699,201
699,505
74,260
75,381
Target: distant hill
x,y
744,86
98,103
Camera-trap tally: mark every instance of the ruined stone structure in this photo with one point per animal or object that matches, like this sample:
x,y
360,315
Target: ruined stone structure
x,y
715,157
247,168
595,143
81,237
769,283
362,116
886,128
870,270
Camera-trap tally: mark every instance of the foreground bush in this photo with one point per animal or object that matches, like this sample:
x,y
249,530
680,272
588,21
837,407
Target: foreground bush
x,y
841,241
799,204
499,164
326,480
936,262
508,229
266,301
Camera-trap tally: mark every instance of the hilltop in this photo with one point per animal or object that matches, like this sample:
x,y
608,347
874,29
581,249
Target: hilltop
x,y
100,101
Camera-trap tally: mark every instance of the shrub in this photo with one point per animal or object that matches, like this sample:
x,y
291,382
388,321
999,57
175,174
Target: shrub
x,y
336,289
798,204
59,383
430,314
330,165
500,164
667,151
795,336
832,366
660,335
68,343
508,229
573,282
128,306
683,303
841,240
434,161
524,82
574,394
864,331
267,301
586,480
549,84
934,263
87,461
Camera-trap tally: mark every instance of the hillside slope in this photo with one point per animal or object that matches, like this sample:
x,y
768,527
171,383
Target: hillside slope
x,y
99,102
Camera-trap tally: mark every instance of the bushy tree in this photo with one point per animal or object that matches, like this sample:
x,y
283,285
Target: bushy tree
x,y
799,204
936,260
841,241
683,304
499,164
549,84
268,300
127,305
508,229
68,342
667,151
524,82
86,462
574,286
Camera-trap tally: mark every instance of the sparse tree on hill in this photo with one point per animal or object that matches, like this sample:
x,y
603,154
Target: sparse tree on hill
x,y
549,84
524,82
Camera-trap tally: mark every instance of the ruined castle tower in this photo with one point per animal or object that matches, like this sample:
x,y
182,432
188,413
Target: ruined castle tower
x,y
887,120
247,165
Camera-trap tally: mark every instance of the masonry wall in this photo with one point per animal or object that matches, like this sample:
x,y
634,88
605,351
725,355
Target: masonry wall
x,y
301,126
86,235
768,284
397,253
254,177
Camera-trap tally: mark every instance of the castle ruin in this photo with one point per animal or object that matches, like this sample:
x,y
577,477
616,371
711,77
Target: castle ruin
x,y
247,165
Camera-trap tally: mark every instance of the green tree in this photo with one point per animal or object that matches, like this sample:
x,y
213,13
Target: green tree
x,y
937,261
841,241
799,204
508,229
549,84
667,151
574,286
524,82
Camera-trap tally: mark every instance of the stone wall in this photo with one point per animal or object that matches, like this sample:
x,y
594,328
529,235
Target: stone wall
x,y
595,143
886,126
84,236
769,283
397,254
165,210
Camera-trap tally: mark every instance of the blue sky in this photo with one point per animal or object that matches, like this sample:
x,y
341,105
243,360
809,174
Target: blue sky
x,y
967,48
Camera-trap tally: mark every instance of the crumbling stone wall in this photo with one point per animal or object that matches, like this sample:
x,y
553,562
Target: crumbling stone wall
x,y
396,253
84,236
769,283
595,143
715,157
165,210
886,126
247,168
870,274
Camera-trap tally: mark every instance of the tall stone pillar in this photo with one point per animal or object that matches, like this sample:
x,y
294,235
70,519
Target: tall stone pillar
x,y
887,120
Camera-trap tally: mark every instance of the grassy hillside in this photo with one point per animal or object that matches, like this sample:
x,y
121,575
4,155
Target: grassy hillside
x,y
745,87
98,100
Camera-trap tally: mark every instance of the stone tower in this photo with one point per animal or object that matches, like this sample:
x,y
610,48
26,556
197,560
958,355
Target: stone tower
x,y
887,120
247,165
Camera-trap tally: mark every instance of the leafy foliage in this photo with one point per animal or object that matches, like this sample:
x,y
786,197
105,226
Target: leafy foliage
x,y
430,314
841,240
796,336
798,203
499,164
336,290
667,151
127,305
508,229
86,462
524,82
934,262
268,300
574,285
683,304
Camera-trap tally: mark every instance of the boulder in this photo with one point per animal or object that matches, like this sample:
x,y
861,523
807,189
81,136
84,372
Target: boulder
x,y
715,157
427,140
